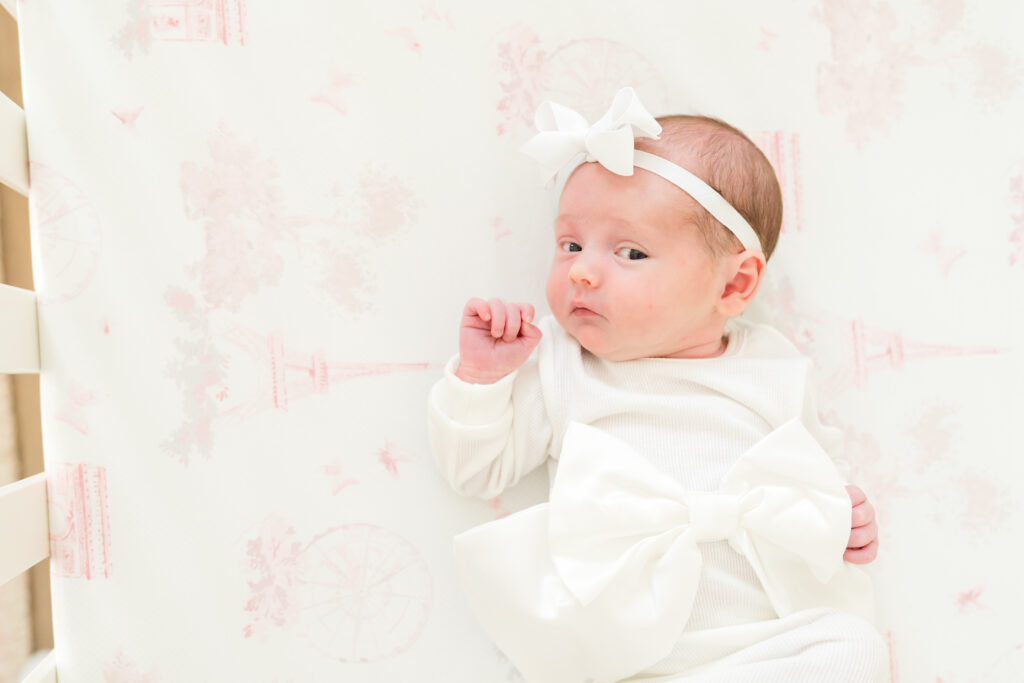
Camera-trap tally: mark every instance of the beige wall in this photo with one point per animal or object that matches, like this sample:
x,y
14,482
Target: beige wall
x,y
24,605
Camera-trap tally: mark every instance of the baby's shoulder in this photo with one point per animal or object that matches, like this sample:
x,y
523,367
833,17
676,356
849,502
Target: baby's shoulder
x,y
761,340
559,365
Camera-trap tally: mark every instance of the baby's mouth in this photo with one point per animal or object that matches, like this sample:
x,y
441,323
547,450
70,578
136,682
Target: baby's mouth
x,y
580,311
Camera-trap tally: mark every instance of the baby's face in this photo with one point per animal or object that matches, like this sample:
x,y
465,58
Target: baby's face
x,y
631,277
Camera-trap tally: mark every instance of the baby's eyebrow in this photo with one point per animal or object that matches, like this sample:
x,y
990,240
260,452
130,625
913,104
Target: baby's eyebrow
x,y
573,219
643,233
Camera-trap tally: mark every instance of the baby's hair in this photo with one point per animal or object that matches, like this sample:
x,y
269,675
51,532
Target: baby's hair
x,y
726,159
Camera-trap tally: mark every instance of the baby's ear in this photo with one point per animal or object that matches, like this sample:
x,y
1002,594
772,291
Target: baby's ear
x,y
743,274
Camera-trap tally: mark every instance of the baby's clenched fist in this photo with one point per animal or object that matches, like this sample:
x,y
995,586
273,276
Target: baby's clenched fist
x,y
495,338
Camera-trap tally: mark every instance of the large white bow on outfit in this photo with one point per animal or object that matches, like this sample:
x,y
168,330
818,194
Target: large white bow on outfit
x,y
598,583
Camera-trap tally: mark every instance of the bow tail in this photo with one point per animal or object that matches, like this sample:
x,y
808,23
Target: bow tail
x,y
792,586
553,152
515,592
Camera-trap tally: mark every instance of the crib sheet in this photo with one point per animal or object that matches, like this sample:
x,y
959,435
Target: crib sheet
x,y
255,225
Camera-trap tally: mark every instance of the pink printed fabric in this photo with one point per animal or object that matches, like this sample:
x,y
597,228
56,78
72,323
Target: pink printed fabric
x,y
254,229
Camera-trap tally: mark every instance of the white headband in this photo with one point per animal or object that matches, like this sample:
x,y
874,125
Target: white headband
x,y
566,140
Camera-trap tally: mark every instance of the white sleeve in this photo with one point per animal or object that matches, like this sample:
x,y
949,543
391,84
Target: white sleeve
x,y
486,437
831,438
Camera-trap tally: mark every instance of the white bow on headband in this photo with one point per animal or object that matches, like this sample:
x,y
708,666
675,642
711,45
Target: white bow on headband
x,y
566,140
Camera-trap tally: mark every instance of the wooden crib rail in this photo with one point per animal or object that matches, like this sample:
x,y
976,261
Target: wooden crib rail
x,y
43,672
24,532
19,339
24,529
13,146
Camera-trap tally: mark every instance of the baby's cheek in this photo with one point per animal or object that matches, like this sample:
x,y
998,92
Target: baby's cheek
x,y
651,294
553,287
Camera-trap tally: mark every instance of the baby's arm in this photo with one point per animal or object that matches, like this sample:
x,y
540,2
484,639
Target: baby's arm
x,y
487,421
862,547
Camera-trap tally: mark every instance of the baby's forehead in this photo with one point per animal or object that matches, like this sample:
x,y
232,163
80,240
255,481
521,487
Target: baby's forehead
x,y
591,180
645,197
662,227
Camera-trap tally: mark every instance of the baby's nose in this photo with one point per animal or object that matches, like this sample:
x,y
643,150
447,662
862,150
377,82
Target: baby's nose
x,y
583,272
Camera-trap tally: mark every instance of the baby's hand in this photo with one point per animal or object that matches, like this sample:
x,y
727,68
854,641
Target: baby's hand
x,y
863,545
495,338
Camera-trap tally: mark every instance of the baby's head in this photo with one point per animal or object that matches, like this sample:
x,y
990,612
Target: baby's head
x,y
640,268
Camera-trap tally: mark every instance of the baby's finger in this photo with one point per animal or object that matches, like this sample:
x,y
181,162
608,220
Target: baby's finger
x,y
531,331
512,323
862,536
497,317
477,307
863,514
862,555
856,495
527,312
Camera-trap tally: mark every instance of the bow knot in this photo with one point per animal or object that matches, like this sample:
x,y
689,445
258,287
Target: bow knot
x,y
565,136
714,516
600,581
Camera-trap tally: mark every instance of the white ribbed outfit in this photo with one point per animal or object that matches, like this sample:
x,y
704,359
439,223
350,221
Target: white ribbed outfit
x,y
691,419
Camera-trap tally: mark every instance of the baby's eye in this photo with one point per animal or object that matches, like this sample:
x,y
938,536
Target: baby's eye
x,y
568,246
632,254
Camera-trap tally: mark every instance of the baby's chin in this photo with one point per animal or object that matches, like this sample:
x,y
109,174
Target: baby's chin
x,y
597,343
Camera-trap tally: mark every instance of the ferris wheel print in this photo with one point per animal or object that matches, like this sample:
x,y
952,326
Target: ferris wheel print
x,y
362,594
585,75
66,230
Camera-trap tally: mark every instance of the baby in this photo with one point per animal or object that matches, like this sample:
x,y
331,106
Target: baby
x,y
698,520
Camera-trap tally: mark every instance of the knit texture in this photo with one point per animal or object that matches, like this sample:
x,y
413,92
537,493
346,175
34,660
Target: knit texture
x,y
691,418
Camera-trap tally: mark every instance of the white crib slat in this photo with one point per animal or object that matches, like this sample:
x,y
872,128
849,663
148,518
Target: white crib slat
x,y
11,6
13,145
24,534
43,672
19,331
